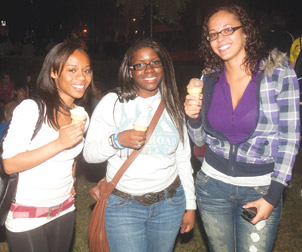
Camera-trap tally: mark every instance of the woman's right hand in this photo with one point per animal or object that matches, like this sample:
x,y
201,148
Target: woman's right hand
x,y
70,135
133,139
193,102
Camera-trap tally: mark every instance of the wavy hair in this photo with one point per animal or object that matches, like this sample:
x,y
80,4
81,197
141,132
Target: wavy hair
x,y
254,47
167,87
47,90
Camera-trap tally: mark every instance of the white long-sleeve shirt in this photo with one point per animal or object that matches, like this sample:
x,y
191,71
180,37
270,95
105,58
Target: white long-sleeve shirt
x,y
162,159
48,184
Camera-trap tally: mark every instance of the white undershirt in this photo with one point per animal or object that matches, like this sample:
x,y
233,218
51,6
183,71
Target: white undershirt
x,y
263,180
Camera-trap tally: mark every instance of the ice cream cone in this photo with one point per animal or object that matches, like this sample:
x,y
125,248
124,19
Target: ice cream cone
x,y
194,87
78,115
141,124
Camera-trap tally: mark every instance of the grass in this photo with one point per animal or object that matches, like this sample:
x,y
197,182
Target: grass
x,y
289,238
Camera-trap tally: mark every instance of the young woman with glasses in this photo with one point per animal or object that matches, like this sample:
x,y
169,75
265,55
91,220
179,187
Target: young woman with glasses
x,y
155,197
248,116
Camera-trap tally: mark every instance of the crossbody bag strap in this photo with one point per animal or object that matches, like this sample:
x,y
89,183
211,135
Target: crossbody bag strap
x,y
135,153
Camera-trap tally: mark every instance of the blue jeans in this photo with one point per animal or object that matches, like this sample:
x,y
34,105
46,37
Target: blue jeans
x,y
220,207
131,226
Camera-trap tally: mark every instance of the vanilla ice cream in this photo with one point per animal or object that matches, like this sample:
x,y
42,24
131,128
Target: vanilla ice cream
x,y
141,124
78,115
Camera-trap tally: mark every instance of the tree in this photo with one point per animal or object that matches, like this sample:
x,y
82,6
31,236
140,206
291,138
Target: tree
x,y
164,10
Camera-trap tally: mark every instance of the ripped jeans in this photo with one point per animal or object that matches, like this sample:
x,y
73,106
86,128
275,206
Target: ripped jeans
x,y
220,207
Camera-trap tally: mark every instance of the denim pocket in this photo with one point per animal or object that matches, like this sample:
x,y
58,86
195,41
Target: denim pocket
x,y
201,178
178,198
116,201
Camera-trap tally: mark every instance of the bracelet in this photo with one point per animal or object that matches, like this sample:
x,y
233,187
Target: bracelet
x,y
112,143
116,142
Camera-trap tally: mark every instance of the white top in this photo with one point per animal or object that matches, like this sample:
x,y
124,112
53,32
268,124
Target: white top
x,y
162,159
47,184
263,180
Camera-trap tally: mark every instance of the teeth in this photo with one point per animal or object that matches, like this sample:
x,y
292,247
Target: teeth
x,y
148,79
224,47
78,86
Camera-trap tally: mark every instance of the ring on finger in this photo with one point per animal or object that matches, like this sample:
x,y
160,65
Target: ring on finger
x,y
139,144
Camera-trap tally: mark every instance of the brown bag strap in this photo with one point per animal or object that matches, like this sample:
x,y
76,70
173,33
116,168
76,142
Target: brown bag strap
x,y
135,153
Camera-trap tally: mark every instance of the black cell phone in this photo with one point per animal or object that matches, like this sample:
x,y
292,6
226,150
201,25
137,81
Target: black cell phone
x,y
249,213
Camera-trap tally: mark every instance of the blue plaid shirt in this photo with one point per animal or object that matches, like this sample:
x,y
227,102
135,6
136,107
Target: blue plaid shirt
x,y
272,145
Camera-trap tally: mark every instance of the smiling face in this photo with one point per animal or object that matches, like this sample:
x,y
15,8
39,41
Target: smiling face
x,y
146,81
228,48
75,77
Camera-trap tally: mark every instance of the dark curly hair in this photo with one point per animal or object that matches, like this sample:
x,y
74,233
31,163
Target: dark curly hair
x,y
254,47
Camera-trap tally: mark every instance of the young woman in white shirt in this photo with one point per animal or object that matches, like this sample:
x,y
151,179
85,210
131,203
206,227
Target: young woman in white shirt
x,y
42,217
135,221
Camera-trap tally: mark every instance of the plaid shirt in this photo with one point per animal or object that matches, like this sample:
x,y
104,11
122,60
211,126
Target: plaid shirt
x,y
273,144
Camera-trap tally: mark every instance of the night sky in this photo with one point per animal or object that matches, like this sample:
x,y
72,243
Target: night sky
x,y
45,16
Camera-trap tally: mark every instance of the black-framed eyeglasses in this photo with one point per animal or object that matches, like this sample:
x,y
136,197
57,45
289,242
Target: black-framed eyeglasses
x,y
225,32
143,66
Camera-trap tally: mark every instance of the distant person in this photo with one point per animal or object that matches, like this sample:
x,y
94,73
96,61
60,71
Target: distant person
x,y
42,216
76,37
30,83
21,92
277,36
295,50
7,115
6,87
295,61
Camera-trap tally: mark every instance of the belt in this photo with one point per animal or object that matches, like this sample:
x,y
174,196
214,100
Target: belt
x,y
150,198
21,211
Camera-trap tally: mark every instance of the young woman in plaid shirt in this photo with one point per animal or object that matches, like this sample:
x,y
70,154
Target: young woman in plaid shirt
x,y
248,115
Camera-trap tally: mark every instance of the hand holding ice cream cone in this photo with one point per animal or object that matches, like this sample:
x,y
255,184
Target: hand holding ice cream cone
x,y
193,102
78,115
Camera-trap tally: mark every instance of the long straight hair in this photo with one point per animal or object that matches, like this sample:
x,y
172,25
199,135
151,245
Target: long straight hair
x,y
167,87
46,87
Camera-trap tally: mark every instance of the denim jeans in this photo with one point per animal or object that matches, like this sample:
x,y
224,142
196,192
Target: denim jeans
x,y
220,207
131,226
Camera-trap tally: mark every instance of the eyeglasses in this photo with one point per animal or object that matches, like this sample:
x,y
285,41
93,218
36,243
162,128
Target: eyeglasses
x,y
143,66
225,32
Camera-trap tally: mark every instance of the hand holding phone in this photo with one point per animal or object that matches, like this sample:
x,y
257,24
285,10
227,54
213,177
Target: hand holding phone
x,y
249,213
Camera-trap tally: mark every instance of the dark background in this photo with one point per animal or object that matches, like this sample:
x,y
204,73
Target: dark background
x,y
58,17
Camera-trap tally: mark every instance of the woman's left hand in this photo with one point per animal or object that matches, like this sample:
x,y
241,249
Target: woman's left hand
x,y
188,221
264,209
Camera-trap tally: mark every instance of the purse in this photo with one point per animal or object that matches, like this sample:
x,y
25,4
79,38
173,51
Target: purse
x,y
97,229
9,182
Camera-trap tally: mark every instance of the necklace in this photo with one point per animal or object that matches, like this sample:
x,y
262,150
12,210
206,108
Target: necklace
x,y
149,102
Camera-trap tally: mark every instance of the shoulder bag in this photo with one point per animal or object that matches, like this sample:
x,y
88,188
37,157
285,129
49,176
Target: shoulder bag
x,y
96,229
9,182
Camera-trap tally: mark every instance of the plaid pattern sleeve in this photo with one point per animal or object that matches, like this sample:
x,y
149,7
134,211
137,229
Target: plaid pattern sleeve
x,y
196,131
289,124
